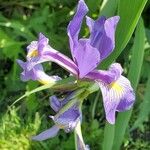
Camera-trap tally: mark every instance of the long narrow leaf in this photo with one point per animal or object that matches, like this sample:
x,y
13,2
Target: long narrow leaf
x,y
144,107
108,140
134,75
108,8
129,12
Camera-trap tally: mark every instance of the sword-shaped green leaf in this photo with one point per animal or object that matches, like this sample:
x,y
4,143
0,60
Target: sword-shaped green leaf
x,y
134,76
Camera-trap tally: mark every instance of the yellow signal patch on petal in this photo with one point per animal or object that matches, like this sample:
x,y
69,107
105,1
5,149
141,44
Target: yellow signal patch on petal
x,y
34,53
116,86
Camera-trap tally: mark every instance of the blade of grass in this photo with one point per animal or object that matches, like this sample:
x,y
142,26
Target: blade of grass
x,y
134,76
129,12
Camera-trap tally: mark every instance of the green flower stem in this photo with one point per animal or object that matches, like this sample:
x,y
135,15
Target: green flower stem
x,y
69,83
78,97
79,142
95,103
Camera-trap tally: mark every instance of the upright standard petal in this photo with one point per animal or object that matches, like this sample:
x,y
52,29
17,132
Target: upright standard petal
x,y
90,23
117,96
37,48
86,57
50,133
42,43
75,25
35,51
103,34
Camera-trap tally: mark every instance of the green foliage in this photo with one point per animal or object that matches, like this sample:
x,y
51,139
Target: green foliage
x,y
20,23
144,108
129,12
134,76
108,8
108,136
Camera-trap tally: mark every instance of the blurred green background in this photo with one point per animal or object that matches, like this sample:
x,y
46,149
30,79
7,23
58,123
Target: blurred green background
x,y
20,23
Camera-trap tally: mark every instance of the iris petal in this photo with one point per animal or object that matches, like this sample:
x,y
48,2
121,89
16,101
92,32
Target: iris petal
x,y
50,133
86,57
75,25
103,34
36,73
117,96
90,23
55,103
114,72
42,42
39,52
62,60
69,119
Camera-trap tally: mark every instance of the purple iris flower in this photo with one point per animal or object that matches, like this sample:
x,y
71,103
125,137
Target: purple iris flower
x,y
87,54
67,120
32,68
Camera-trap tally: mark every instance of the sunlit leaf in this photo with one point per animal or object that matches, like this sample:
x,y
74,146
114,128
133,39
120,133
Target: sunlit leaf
x,y
144,107
134,76
129,12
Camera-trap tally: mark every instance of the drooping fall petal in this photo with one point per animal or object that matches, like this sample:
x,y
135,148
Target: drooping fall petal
x,y
117,96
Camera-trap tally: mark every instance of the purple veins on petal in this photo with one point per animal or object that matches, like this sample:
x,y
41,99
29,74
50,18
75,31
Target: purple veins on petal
x,y
127,101
37,48
39,52
117,96
42,43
